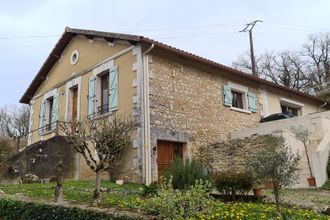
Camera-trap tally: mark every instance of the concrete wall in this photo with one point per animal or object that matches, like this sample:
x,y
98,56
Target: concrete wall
x,y
318,124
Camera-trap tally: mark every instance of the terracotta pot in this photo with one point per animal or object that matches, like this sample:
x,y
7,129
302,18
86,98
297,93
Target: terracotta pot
x,y
311,181
257,192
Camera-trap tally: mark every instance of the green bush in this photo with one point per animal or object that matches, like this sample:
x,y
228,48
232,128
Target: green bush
x,y
232,184
150,190
185,173
10,209
175,204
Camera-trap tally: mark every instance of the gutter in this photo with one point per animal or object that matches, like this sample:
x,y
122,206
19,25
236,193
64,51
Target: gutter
x,y
147,144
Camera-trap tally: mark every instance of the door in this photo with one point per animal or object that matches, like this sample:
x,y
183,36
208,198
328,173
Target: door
x,y
74,113
166,151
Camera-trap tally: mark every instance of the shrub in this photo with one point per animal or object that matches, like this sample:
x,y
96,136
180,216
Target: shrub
x,y
232,184
185,173
10,209
175,204
275,163
150,190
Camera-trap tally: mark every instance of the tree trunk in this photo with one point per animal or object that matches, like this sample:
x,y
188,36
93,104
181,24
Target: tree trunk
x,y
308,161
58,194
96,196
276,195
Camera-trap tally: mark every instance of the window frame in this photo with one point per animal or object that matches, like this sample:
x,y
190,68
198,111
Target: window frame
x,y
244,91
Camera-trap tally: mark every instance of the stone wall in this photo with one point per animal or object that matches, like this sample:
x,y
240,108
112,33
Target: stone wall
x,y
41,158
186,105
230,155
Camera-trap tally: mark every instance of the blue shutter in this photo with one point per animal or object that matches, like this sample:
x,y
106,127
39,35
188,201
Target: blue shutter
x,y
91,96
252,102
42,117
54,113
227,96
113,91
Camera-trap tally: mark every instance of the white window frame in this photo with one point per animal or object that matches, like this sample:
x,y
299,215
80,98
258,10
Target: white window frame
x,y
48,95
76,82
244,90
97,73
292,104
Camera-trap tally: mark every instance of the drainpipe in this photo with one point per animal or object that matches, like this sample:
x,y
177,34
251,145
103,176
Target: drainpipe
x,y
321,106
147,143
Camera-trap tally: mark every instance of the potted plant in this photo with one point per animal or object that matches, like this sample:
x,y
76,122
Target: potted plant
x,y
257,189
302,134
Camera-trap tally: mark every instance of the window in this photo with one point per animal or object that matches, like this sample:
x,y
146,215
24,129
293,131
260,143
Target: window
x,y
104,105
289,110
237,100
103,91
291,107
49,105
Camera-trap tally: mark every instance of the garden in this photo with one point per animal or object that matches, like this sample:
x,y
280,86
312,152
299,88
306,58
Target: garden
x,y
187,189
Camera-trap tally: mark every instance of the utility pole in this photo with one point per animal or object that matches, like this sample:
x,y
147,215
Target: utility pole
x,y
249,27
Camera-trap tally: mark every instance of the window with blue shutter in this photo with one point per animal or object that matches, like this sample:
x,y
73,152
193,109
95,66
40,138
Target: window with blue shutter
x,y
113,90
91,96
252,99
42,117
54,113
227,100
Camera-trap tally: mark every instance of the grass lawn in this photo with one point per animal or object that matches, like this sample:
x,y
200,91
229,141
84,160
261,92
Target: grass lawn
x,y
128,197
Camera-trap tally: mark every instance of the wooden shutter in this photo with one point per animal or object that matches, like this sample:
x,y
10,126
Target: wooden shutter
x,y
54,112
113,90
91,96
227,96
42,117
252,99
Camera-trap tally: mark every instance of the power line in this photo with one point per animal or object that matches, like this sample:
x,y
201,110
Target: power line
x,y
31,36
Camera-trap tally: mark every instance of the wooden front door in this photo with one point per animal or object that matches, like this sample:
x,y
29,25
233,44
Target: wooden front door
x,y
74,114
166,151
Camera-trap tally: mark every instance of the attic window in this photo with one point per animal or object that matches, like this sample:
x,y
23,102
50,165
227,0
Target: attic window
x,y
74,57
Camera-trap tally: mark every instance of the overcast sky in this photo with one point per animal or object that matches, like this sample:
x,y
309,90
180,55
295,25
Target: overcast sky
x,y
30,29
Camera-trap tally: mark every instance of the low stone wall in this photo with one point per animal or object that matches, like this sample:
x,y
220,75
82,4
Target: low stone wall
x,y
41,158
231,155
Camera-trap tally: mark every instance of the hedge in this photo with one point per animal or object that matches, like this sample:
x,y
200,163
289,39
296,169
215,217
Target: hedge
x,y
11,209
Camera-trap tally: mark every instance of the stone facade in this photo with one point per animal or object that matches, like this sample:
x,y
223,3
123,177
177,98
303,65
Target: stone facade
x,y
230,155
186,105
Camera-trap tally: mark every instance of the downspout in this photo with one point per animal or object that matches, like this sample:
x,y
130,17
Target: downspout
x,y
321,106
147,143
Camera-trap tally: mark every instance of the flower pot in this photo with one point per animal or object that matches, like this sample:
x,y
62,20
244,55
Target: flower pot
x,y
257,192
311,181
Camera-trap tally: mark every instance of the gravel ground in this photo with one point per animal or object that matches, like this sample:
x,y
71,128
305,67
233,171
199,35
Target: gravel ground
x,y
317,199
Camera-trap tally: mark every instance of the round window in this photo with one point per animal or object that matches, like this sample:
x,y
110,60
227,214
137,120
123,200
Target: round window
x,y
74,57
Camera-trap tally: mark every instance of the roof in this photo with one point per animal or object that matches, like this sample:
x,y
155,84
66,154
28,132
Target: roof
x,y
70,33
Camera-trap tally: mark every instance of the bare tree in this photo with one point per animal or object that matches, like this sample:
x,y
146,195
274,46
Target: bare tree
x,y
109,137
286,68
14,121
317,51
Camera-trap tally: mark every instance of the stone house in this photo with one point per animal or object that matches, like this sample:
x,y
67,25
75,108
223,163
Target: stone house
x,y
183,102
